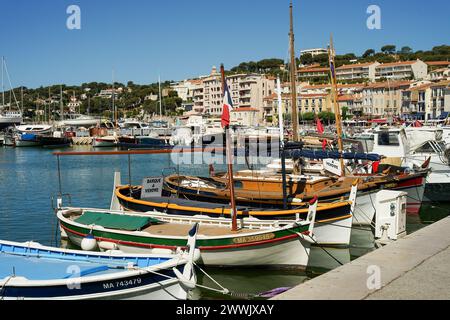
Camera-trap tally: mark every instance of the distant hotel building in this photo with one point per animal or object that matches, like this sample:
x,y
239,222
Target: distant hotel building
x,y
314,72
247,91
405,70
359,72
314,52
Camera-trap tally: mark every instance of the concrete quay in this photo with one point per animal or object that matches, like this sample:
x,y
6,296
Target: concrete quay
x,y
416,267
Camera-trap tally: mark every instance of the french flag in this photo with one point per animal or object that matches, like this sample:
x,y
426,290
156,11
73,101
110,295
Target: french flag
x,y
227,107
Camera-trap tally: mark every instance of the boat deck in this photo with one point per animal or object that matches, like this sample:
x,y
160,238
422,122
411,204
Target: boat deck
x,y
181,230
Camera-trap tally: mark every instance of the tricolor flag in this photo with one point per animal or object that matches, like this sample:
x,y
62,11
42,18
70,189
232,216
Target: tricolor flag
x,y
227,106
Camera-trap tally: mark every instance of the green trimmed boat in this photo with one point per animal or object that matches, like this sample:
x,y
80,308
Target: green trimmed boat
x,y
256,243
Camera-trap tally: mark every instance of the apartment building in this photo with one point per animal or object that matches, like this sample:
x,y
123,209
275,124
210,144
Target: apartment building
x,y
440,106
381,99
416,102
247,91
197,96
245,116
405,70
315,72
357,72
314,52
315,103
433,65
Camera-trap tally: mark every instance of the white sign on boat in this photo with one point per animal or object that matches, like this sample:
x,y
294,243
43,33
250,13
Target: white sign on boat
x,y
152,187
332,166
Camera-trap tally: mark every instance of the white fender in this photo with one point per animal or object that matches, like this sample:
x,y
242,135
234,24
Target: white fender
x,y
89,243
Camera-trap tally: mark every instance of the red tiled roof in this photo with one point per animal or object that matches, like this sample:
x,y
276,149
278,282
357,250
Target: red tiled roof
x,y
304,70
346,97
441,84
390,84
356,65
438,63
394,64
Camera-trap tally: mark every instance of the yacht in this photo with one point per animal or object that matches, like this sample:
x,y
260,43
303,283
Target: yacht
x,y
411,148
10,118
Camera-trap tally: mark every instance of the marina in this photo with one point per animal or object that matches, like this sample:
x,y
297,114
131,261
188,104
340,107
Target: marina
x,y
322,176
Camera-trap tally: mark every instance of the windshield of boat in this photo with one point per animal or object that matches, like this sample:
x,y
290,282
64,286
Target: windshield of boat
x,y
388,139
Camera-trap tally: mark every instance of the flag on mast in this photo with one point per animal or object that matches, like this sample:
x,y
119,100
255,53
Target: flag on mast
x,y
227,106
320,128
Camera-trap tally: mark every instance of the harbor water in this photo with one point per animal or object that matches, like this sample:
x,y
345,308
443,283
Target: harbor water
x,y
29,180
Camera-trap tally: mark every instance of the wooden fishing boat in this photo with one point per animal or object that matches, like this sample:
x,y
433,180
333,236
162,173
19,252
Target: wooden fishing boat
x,y
266,189
255,243
32,271
332,225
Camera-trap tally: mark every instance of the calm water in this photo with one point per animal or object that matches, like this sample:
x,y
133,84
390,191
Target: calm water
x,y
29,179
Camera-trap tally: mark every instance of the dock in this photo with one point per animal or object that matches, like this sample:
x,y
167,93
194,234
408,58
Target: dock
x,y
413,268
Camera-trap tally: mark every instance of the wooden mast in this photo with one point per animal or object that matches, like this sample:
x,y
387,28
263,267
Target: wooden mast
x,y
337,112
293,70
229,162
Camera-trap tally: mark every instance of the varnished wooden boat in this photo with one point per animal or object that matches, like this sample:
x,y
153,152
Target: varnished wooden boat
x,y
333,220
266,190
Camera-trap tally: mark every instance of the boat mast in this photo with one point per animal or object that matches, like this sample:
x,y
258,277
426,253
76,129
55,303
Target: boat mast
x,y
230,162
113,102
3,83
283,156
160,99
293,77
334,92
61,104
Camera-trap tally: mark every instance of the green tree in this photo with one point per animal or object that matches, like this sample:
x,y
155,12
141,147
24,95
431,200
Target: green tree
x,y
406,50
388,49
368,53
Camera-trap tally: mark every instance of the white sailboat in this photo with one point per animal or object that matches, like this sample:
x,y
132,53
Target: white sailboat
x,y
8,116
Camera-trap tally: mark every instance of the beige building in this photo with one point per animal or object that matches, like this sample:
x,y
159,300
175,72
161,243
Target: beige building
x,y
247,91
245,116
416,102
313,73
358,72
405,70
440,99
381,99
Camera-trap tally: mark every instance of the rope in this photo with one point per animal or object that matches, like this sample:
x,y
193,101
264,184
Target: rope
x,y
2,289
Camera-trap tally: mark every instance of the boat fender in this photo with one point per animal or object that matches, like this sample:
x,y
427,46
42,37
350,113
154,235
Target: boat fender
x,y
197,255
185,283
89,243
107,246
162,251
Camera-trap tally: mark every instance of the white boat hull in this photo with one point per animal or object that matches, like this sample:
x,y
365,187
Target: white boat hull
x,y
292,253
336,233
104,142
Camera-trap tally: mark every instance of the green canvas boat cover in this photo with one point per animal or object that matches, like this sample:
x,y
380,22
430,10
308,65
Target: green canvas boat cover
x,y
116,221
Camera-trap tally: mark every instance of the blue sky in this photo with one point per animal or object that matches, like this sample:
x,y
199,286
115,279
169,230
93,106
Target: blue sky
x,y
179,39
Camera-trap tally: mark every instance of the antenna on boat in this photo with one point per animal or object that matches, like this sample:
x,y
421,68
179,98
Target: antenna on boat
x,y
337,112
229,161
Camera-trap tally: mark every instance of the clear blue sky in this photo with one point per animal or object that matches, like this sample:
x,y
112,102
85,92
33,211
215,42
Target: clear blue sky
x,y
180,38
